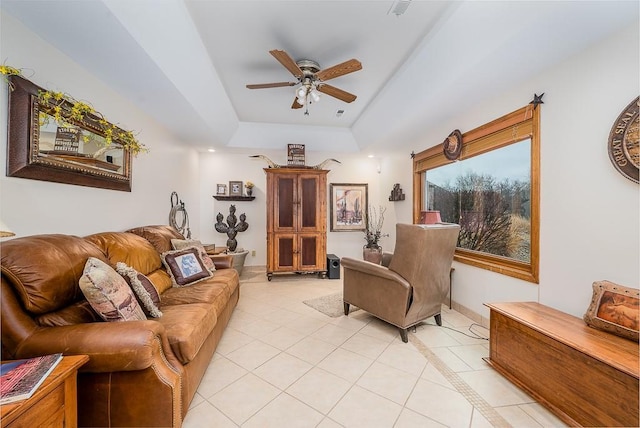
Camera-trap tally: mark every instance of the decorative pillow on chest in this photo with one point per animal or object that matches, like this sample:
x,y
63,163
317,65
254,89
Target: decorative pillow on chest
x,y
614,308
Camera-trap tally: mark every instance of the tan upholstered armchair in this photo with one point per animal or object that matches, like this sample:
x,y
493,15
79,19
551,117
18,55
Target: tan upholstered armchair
x,y
415,283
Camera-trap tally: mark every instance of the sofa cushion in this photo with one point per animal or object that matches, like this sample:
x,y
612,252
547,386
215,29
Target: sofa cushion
x,y
185,266
614,308
159,236
144,290
187,328
128,248
228,278
108,293
44,270
180,244
160,279
202,292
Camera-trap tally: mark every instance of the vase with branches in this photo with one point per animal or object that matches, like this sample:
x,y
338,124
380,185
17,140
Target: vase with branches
x,y
372,251
373,232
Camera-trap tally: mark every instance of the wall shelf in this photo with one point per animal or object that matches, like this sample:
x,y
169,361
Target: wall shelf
x,y
233,198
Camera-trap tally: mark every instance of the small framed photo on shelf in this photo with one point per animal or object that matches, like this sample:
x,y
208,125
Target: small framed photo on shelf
x,y
221,189
235,188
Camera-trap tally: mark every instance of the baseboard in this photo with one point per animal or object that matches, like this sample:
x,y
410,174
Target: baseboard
x,y
474,316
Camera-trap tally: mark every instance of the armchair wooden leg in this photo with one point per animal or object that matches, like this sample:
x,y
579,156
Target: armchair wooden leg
x,y
346,308
404,335
438,318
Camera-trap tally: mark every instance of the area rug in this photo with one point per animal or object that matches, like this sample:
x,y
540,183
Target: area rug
x,y
330,305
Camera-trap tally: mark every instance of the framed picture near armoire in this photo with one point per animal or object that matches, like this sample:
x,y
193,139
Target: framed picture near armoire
x,y
348,207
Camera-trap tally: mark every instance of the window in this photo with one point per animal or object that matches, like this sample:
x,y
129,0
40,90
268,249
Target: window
x,y
492,191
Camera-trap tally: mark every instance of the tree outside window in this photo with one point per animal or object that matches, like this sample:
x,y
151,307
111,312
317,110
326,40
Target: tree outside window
x,y
491,192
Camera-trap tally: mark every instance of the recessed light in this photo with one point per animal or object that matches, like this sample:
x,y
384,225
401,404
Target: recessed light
x,y
211,150
371,156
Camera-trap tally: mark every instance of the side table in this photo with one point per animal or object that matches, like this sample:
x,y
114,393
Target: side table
x,y
55,402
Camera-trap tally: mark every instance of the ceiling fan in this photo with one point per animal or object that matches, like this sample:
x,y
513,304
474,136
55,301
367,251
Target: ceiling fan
x,y
311,79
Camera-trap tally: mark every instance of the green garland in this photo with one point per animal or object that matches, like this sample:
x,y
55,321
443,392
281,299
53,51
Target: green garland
x,y
65,110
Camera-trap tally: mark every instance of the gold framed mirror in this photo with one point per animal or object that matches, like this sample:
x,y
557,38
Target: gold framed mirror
x,y
82,150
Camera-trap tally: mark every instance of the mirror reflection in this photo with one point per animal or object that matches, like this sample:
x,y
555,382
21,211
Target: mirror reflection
x,y
71,143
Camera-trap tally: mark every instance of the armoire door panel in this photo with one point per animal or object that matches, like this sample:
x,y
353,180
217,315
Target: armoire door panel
x,y
309,202
308,251
285,203
286,251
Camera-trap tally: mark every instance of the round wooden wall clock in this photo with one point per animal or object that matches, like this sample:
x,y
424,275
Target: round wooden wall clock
x,y
624,142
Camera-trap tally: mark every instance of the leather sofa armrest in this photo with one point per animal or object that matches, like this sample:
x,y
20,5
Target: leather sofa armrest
x,y
111,347
374,270
222,261
376,289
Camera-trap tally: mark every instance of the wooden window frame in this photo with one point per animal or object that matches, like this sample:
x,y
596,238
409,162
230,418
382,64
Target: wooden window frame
x,y
513,127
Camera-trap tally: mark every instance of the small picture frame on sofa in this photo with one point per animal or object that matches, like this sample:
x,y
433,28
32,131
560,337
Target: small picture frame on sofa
x,y
221,189
235,188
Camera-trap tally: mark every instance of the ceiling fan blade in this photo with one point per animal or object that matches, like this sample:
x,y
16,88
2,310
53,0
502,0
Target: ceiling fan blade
x,y
287,62
336,93
270,85
339,70
295,104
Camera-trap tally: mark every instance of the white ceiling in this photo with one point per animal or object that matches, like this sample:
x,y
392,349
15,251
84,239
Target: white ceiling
x,y
186,62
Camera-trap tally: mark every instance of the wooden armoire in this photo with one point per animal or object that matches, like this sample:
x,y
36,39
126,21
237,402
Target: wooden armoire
x,y
296,221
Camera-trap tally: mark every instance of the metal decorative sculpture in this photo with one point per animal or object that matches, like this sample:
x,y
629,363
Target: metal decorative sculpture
x,y
232,227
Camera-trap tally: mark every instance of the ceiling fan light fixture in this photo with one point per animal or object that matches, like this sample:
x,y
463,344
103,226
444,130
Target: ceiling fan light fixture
x,y
314,95
311,79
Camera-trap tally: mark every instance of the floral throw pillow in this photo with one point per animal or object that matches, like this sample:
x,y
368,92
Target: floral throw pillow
x,y
185,266
614,308
180,244
108,293
145,291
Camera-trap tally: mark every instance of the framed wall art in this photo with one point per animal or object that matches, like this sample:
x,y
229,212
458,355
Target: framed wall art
x,y
221,189
235,188
348,207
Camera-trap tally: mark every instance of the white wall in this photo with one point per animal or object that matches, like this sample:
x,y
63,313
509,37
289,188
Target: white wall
x,y
31,206
220,168
590,214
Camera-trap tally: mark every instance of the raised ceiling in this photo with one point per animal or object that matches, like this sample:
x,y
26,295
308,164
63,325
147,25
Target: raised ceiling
x,y
186,62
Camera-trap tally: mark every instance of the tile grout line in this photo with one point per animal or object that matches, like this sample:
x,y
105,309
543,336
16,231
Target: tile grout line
x,y
460,385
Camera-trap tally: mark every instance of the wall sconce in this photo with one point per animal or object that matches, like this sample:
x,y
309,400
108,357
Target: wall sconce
x,y
396,193
378,166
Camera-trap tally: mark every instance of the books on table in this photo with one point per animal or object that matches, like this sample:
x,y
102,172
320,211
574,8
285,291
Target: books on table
x,y
21,378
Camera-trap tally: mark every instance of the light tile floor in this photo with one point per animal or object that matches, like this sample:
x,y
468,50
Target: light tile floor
x,y
281,363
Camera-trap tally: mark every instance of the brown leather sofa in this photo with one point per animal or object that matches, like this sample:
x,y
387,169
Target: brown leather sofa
x,y
140,373
411,284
